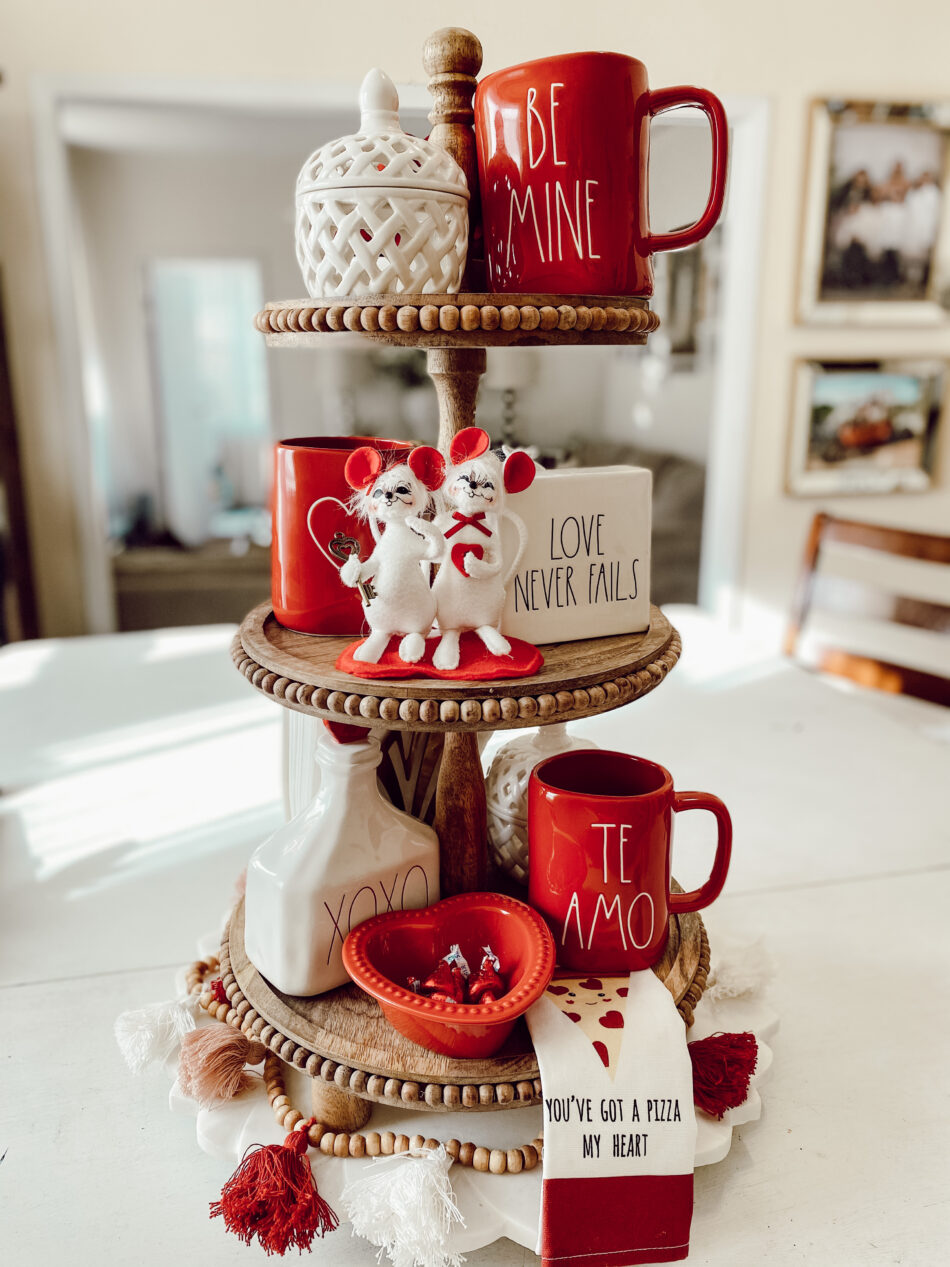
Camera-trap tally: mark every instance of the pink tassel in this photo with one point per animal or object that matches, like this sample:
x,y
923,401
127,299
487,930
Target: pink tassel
x,y
211,1063
723,1065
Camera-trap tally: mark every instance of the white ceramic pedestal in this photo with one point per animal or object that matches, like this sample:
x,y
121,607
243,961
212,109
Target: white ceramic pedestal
x,y
492,1206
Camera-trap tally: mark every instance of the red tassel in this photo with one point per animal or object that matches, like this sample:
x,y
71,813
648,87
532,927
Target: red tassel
x,y
218,992
272,1195
723,1065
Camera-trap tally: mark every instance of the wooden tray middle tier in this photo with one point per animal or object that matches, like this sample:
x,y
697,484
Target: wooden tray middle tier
x,y
343,1037
577,679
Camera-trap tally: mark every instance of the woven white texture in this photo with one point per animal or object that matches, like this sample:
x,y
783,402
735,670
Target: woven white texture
x,y
365,241
384,158
506,793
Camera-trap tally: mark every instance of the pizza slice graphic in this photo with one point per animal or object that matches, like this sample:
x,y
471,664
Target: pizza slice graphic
x,y
598,1005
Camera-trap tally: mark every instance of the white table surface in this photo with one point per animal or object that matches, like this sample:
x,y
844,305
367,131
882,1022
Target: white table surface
x,y
137,774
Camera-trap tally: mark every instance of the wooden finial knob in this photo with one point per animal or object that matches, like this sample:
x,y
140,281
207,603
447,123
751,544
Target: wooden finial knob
x,y
452,58
452,50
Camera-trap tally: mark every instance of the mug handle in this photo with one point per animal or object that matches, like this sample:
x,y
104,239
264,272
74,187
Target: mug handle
x,y
668,99
680,903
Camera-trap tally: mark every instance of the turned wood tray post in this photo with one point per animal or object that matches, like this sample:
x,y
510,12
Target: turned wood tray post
x,y
461,815
452,58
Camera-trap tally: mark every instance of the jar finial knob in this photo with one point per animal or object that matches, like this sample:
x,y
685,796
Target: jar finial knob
x,y
379,103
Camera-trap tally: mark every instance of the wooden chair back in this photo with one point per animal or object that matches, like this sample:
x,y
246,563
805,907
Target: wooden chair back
x,y
909,612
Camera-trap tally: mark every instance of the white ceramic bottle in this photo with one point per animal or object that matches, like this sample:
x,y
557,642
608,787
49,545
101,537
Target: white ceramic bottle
x,y
349,855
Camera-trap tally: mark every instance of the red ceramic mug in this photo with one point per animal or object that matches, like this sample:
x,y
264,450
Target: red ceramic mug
x,y
599,836
314,533
563,148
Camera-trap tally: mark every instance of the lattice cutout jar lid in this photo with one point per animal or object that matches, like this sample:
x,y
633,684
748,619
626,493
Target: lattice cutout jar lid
x,y
381,210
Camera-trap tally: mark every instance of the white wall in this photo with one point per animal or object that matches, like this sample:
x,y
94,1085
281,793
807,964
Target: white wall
x,y
786,53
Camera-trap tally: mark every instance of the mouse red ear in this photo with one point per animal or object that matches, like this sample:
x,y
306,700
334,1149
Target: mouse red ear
x,y
519,472
471,442
362,467
428,465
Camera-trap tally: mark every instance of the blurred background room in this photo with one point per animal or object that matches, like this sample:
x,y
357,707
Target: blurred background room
x,y
148,212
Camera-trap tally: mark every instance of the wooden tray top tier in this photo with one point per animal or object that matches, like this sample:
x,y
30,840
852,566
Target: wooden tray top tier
x,y
473,318
343,1038
465,320
577,679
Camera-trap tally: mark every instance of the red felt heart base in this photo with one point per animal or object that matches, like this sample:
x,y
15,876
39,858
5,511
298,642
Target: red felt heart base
x,y
476,664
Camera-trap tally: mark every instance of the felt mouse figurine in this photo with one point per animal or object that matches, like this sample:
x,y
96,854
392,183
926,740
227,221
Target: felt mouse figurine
x,y
395,497
470,586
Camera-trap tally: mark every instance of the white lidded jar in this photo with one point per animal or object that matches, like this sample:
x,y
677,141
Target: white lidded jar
x,y
349,855
506,792
381,211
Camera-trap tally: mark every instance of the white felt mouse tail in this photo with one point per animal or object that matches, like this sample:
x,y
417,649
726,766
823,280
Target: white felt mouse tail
x,y
433,537
522,532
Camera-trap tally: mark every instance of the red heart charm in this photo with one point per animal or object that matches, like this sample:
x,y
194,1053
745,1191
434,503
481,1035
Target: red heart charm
x,y
601,1051
459,551
592,983
612,1020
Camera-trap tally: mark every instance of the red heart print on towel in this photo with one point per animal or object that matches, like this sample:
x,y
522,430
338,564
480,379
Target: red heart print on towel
x,y
597,1005
459,551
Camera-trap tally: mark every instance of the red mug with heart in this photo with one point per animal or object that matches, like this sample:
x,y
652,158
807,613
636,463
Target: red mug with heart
x,y
599,839
314,533
563,156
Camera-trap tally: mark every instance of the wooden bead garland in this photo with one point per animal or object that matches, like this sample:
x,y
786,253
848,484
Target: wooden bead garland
x,y
496,1161
479,315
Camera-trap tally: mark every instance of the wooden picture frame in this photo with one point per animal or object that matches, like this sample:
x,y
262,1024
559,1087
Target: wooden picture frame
x,y
876,228
866,426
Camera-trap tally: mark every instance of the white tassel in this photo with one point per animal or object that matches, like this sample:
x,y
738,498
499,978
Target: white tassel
x,y
148,1035
405,1204
741,968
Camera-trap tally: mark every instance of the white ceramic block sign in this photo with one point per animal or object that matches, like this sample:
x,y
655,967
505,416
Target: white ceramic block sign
x,y
586,570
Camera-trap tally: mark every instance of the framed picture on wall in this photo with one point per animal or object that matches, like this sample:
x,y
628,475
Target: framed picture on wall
x,y
865,426
876,244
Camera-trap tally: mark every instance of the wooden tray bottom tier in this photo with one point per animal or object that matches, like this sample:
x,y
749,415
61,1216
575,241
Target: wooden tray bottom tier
x,y
342,1036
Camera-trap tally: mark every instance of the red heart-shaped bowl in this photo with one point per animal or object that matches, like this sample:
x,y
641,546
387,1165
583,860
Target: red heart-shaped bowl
x,y
383,953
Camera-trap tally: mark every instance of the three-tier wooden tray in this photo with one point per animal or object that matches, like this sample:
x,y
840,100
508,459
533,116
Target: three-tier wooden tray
x,y
340,1038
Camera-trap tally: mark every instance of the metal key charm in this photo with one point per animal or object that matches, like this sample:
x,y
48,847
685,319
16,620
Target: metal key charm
x,y
342,547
